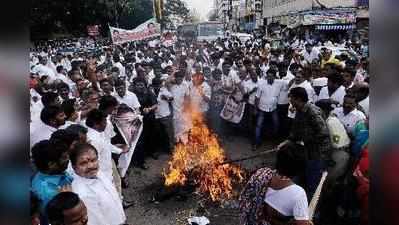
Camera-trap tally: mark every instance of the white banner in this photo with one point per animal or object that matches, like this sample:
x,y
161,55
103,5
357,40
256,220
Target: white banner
x,y
148,29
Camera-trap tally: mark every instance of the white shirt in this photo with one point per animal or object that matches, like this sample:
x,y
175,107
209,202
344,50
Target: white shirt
x,y
289,201
130,99
309,57
163,109
283,97
179,92
268,95
43,70
309,89
249,85
104,149
104,206
338,94
122,70
40,131
63,78
197,100
349,120
365,105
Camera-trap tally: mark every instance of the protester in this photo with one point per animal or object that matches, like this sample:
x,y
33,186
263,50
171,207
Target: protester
x,y
104,206
50,158
311,129
66,208
134,100
272,197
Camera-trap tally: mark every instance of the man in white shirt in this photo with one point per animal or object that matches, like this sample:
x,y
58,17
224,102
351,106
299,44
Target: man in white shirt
x,y
97,122
348,75
300,81
334,90
180,92
118,64
43,70
266,103
348,114
51,118
282,102
97,192
250,87
126,97
363,98
163,114
310,54
200,94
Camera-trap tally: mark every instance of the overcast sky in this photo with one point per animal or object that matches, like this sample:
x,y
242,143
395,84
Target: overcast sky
x,y
202,6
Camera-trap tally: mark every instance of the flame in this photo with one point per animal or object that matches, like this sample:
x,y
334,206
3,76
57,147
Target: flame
x,y
201,158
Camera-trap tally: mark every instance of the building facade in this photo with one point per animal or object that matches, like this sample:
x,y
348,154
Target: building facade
x,y
224,11
273,8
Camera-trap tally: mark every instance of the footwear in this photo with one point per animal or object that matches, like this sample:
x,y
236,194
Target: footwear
x,y
125,182
127,204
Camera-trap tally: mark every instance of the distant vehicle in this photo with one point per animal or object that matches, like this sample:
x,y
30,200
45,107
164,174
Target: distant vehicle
x,y
204,31
336,51
242,36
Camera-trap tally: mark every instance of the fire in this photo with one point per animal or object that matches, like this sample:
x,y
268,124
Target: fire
x,y
202,157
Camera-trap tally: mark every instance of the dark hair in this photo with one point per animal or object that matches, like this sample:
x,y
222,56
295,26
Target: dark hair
x,y
49,98
47,151
64,136
295,66
94,117
61,202
325,105
59,68
49,113
106,102
104,80
287,164
62,85
139,80
350,95
119,82
179,74
335,77
78,150
116,58
156,81
351,71
76,129
300,93
271,71
68,106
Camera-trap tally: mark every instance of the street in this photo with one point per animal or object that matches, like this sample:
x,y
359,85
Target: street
x,y
176,210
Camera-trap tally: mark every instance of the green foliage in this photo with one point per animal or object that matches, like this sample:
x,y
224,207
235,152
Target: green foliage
x,y
71,17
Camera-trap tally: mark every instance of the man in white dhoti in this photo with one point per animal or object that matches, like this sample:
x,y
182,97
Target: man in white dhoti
x,y
180,92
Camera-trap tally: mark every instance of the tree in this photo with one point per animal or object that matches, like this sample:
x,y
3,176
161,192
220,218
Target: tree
x,y
175,13
71,17
212,15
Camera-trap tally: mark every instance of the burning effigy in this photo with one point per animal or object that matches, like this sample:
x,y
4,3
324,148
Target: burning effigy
x,y
201,160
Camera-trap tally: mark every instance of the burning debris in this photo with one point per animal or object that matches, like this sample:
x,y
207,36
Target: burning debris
x,y
200,160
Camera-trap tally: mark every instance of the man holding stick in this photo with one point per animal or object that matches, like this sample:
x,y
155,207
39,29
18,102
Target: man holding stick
x,y
309,129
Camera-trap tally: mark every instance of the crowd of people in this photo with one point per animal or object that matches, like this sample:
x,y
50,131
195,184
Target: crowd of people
x,y
96,111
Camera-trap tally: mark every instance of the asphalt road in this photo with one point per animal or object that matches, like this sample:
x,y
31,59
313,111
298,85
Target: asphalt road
x,y
178,208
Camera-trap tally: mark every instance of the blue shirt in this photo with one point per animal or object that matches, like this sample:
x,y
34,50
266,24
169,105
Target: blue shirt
x,y
46,186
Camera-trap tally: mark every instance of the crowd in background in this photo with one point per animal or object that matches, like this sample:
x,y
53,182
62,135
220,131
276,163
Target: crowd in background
x,y
303,96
